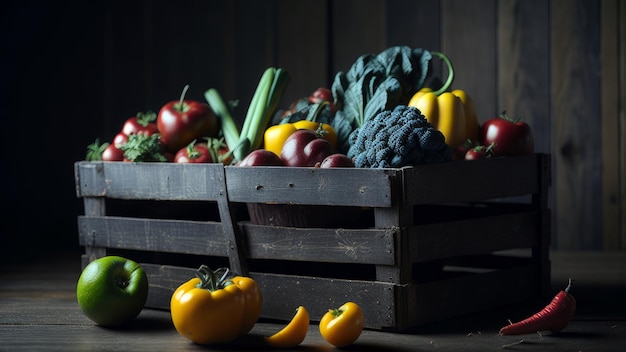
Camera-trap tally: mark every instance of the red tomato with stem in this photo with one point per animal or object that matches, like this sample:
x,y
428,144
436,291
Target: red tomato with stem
x,y
141,124
479,152
181,121
509,137
194,153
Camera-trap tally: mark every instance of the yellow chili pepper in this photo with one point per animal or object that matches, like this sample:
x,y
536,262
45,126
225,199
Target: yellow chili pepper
x,y
275,136
452,113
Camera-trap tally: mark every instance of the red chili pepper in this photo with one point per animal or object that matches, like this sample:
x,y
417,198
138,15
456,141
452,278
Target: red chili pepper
x,y
553,317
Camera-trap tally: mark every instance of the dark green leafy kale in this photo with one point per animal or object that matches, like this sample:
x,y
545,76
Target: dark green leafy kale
x,y
376,83
396,138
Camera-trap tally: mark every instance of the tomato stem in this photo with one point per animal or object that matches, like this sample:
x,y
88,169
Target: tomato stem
x,y
182,98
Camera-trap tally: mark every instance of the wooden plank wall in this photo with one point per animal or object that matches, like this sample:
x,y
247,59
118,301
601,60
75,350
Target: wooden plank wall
x,y
559,64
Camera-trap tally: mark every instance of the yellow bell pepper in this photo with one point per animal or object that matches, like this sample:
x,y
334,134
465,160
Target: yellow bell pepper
x,y
214,308
253,302
452,113
275,136
472,126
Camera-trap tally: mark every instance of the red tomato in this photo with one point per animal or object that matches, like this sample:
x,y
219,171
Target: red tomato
x,y
113,153
194,153
479,152
141,124
120,139
508,137
222,152
182,121
323,94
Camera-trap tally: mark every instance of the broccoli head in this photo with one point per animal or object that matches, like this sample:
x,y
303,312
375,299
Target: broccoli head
x,y
396,138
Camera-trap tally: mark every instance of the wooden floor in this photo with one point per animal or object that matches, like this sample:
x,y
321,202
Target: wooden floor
x,y
38,312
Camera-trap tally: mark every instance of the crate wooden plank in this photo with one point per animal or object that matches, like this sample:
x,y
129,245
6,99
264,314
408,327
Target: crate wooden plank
x,y
282,294
367,246
294,185
157,181
470,181
163,280
474,236
173,236
447,298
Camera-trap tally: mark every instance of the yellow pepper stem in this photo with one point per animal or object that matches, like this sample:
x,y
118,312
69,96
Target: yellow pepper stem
x,y
450,72
213,280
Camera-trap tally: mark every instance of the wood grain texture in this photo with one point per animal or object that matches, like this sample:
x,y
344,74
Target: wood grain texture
x,y
468,38
303,47
613,129
524,66
575,103
357,28
413,23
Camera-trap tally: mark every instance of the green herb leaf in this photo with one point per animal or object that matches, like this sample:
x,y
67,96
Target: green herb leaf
x,y
143,148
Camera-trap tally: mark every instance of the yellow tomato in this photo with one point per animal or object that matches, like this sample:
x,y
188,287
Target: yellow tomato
x,y
214,307
342,326
293,333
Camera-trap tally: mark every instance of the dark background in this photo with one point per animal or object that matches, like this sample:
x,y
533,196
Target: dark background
x,y
74,71
51,103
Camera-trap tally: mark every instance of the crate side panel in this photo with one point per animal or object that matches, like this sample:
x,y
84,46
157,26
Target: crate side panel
x,y
89,179
366,246
470,181
163,280
444,299
161,181
282,294
171,236
295,185
474,236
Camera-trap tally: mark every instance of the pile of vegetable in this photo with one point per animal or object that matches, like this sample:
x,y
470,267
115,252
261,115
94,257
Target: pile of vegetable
x,y
218,306
378,114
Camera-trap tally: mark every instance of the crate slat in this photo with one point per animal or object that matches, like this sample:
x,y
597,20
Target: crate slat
x,y
471,181
155,181
170,236
295,185
370,246
474,236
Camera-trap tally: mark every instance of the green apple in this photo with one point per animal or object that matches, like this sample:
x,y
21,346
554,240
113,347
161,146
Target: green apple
x,y
112,290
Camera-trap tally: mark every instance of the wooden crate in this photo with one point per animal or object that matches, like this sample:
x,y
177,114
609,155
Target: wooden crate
x,y
430,242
